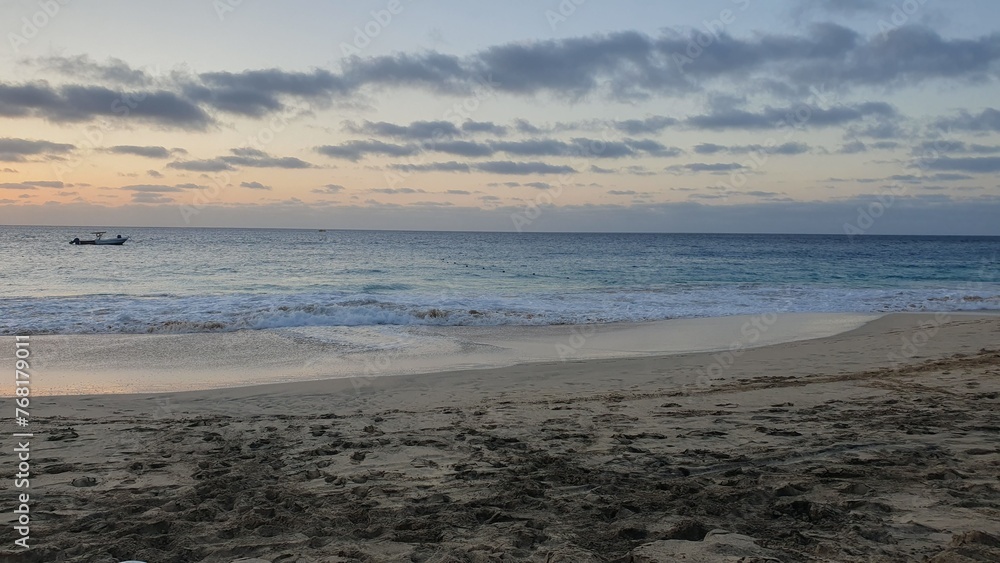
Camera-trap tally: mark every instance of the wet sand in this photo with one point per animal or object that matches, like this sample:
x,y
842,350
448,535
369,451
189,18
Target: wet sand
x,y
877,444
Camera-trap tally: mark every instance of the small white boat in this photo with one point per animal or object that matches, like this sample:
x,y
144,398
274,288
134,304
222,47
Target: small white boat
x,y
99,239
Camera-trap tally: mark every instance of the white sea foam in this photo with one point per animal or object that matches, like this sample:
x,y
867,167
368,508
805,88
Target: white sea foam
x,y
223,313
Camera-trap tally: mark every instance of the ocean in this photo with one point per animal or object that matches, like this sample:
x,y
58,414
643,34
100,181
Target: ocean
x,y
193,280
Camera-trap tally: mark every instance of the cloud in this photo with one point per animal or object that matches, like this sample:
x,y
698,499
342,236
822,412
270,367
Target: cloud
x,y
416,131
14,150
623,66
582,147
73,103
150,198
463,148
356,150
715,168
494,167
803,116
709,148
484,127
837,7
246,157
622,192
854,147
255,93
207,165
931,148
329,189
254,186
450,166
987,120
154,174
10,170
114,71
458,192
265,161
598,170
649,125
148,152
789,148
397,191
522,168
631,65
44,183
158,188
972,165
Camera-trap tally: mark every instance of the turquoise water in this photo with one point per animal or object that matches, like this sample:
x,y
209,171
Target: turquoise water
x,y
194,280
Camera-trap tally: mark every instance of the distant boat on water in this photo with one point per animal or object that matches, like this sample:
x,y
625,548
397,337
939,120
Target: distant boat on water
x,y
100,240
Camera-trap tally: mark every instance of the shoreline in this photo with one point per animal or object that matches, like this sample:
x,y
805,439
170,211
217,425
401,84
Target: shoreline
x,y
72,365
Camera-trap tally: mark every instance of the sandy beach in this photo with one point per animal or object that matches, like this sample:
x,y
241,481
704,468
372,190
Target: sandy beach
x,y
875,444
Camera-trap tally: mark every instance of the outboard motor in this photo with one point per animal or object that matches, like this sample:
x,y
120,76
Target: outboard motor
x,y
75,241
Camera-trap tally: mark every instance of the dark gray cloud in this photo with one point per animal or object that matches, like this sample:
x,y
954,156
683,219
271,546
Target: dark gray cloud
x,y
931,148
789,148
84,103
854,147
416,131
267,161
800,116
258,92
158,188
398,191
207,165
522,168
148,152
32,184
115,71
709,148
715,168
649,125
836,7
246,157
150,198
463,148
987,120
254,186
15,150
329,189
623,65
484,127
578,147
495,167
524,126
356,150
450,166
971,165
154,173
634,65
458,192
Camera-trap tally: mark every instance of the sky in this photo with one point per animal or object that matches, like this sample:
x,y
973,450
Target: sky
x,y
831,116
